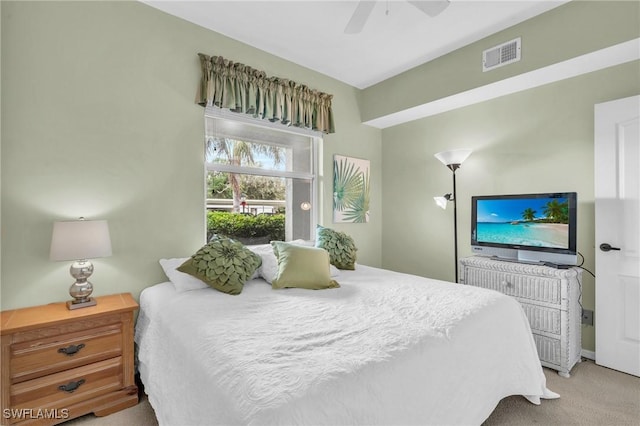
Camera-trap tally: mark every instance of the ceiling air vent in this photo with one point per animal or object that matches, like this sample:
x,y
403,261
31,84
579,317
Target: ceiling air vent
x,y
500,55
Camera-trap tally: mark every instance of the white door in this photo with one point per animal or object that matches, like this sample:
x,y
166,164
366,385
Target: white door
x,y
617,210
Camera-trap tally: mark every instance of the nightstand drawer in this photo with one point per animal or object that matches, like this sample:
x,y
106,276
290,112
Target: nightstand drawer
x,y
53,354
68,387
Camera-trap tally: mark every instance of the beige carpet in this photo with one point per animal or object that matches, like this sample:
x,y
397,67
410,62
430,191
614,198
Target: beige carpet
x,y
593,395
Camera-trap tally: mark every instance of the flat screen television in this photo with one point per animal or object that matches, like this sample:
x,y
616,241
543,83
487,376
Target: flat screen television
x,y
537,228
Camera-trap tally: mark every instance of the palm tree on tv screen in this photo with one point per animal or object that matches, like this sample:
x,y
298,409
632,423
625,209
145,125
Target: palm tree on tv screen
x,y
557,211
529,214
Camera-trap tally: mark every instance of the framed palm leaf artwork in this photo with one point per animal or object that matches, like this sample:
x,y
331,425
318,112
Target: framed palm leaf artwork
x,y
350,189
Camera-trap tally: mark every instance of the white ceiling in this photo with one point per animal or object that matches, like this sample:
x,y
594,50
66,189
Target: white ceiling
x,y
311,33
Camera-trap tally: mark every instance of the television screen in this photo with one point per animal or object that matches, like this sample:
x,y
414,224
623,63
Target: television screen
x,y
536,222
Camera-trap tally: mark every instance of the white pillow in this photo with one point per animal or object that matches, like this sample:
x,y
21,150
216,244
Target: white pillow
x,y
181,281
333,271
306,243
269,268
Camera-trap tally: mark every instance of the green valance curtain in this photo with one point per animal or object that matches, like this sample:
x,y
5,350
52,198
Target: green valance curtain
x,y
240,88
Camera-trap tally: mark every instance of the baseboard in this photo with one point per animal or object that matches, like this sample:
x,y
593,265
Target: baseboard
x,y
588,354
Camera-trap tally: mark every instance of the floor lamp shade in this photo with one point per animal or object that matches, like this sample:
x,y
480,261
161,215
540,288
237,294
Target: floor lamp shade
x,y
455,156
442,201
79,241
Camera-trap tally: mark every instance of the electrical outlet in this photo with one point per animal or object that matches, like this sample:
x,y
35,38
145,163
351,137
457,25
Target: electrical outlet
x,y
587,317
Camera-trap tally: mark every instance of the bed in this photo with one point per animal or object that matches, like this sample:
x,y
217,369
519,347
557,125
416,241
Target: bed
x,y
385,348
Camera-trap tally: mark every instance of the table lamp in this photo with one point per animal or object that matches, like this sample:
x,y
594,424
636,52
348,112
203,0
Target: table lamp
x,y
80,240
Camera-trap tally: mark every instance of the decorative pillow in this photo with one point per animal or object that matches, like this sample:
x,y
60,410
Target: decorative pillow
x,y
180,280
341,247
333,271
223,264
301,242
302,267
269,265
269,268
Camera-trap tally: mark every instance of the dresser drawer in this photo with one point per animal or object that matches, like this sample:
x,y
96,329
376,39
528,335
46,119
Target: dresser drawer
x,y
543,319
534,288
57,353
549,349
68,387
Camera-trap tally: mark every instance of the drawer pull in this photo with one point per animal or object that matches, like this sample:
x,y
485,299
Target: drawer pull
x,y
71,349
71,386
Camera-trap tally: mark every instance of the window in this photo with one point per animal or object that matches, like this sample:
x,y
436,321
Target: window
x,y
261,180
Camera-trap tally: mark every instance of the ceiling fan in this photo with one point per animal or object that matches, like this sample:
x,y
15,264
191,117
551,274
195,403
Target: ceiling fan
x,y
364,8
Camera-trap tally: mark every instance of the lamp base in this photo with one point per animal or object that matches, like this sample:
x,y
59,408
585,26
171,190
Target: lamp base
x,y
72,304
82,288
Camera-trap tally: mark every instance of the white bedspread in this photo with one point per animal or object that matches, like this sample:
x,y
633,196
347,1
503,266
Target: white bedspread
x,y
384,348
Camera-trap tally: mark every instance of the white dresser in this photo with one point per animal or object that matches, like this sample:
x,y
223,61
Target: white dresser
x,y
550,298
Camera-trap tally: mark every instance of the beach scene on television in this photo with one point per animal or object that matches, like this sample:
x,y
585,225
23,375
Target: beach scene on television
x,y
535,222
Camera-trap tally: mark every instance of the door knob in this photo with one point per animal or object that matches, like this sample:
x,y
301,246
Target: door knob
x,y
607,247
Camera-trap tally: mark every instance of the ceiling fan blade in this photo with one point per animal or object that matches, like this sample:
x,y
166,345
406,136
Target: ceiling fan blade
x,y
359,17
431,8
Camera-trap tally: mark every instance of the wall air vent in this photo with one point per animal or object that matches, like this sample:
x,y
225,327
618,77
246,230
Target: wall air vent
x,y
500,55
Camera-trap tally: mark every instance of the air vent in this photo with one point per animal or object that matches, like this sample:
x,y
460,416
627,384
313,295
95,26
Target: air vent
x,y
500,55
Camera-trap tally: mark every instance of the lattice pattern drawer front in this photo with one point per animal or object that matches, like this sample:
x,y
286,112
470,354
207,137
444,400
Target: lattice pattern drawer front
x,y
543,319
549,349
530,287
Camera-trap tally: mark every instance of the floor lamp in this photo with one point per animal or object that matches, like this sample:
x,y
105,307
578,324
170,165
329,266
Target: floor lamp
x,y
452,159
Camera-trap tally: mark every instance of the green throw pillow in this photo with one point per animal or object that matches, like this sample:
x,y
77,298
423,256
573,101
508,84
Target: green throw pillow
x,y
223,264
341,247
302,267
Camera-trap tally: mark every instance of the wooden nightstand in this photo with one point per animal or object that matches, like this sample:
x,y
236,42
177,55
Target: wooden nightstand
x,y
59,364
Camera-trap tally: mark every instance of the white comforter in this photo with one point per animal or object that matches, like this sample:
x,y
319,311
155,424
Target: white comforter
x,y
384,348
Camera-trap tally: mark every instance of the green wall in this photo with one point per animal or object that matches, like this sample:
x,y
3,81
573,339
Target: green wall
x,y
99,120
568,31
538,140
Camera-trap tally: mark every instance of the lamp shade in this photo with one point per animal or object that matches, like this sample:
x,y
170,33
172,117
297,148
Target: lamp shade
x,y
80,239
455,156
441,202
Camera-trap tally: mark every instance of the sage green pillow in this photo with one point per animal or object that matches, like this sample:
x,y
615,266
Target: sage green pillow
x,y
302,267
341,247
223,264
